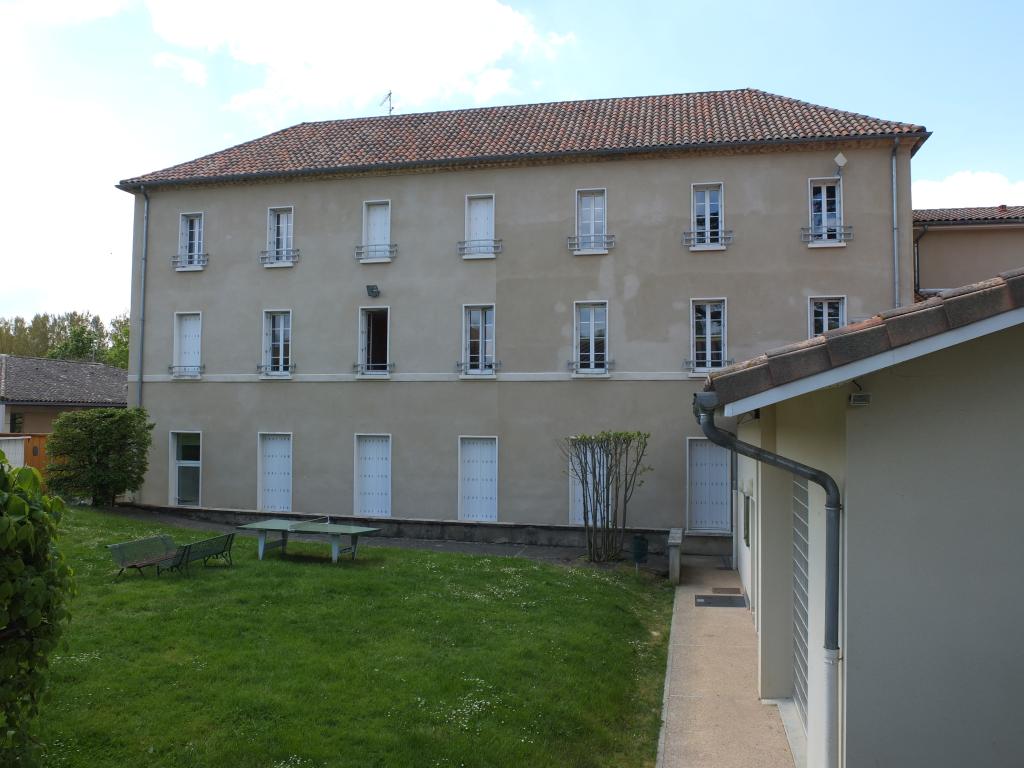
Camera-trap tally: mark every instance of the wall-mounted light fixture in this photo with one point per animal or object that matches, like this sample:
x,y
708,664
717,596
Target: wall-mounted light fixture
x,y
373,291
840,163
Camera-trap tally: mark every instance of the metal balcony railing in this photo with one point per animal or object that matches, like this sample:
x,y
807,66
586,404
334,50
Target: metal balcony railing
x,y
840,233
186,371
479,247
376,251
279,257
696,238
476,368
584,243
275,369
190,260
592,366
373,369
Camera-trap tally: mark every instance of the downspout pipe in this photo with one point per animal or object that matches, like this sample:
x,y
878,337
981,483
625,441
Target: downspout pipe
x,y
142,294
895,230
704,405
917,259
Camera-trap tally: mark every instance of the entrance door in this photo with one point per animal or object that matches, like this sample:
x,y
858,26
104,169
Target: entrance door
x,y
275,472
373,476
478,478
708,507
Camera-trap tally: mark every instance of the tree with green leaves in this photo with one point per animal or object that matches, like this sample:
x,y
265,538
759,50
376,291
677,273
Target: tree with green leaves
x,y
99,453
35,586
608,467
117,352
69,336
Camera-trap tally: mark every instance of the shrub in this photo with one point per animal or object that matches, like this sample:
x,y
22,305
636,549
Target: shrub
x,y
609,467
35,585
100,453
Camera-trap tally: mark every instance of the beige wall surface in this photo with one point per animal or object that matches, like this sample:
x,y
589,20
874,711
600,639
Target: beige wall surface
x,y
933,532
36,418
951,257
648,279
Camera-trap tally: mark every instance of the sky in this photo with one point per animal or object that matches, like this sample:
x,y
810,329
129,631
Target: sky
x,y
101,90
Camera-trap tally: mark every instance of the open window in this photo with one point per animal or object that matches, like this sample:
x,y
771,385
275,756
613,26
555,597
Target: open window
x,y
374,329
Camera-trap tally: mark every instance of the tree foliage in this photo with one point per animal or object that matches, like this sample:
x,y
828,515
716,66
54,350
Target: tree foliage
x,y
99,453
608,467
69,336
35,585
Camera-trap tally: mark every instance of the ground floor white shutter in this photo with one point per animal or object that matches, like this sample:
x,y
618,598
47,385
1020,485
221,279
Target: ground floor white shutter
x,y
276,473
373,476
709,495
800,571
478,478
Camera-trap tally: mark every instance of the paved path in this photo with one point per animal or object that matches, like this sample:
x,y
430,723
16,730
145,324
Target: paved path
x,y
712,717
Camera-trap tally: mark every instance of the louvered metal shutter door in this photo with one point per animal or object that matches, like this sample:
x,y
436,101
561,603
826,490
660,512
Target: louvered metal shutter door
x,y
710,495
373,475
276,483
189,329
478,479
481,218
800,538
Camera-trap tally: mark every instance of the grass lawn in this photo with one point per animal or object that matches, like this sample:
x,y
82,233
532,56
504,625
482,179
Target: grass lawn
x,y
400,658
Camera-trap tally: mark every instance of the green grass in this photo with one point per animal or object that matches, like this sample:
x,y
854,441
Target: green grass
x,y
399,658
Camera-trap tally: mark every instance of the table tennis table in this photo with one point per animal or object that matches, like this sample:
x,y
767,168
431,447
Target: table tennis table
x,y
321,526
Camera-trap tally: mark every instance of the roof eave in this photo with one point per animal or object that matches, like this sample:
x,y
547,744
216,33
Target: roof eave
x,y
132,185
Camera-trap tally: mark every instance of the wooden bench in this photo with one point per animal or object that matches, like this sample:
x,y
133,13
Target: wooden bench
x,y
161,552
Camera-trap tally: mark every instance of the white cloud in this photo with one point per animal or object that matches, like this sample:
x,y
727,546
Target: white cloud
x,y
191,71
968,189
60,12
343,57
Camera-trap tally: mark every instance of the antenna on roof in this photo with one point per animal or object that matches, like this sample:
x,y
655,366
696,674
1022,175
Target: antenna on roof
x,y
391,107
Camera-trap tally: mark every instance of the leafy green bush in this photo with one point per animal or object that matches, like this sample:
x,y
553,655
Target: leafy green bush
x,y
100,453
35,584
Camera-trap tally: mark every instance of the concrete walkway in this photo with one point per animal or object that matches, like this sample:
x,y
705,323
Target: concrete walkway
x,y
712,716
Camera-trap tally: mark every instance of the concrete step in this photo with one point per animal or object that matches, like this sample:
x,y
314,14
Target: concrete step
x,y
707,545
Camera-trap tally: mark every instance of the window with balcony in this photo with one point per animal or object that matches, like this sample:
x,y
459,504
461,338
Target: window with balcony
x,y
591,338
277,344
188,334
186,473
374,329
591,224
478,341
281,250
826,313
707,335
191,253
707,230
825,203
480,242
376,246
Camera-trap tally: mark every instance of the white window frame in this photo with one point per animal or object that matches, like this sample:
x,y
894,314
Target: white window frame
x,y
578,370
355,470
497,475
273,252
176,354
481,251
579,196
188,261
361,371
385,257
259,467
481,373
815,240
266,349
697,369
173,464
841,298
708,246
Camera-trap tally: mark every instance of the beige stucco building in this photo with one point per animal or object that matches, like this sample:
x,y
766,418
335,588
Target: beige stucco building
x,y
917,417
956,246
402,316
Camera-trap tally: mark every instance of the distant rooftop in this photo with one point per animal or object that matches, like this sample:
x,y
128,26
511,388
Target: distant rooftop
x,y
30,380
994,214
632,125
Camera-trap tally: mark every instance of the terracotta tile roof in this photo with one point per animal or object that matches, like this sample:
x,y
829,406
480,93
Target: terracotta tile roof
x,y
495,134
65,382
890,329
987,215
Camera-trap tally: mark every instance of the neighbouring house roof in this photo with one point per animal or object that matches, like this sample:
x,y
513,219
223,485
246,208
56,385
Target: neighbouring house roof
x,y
849,349
28,380
639,124
993,214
